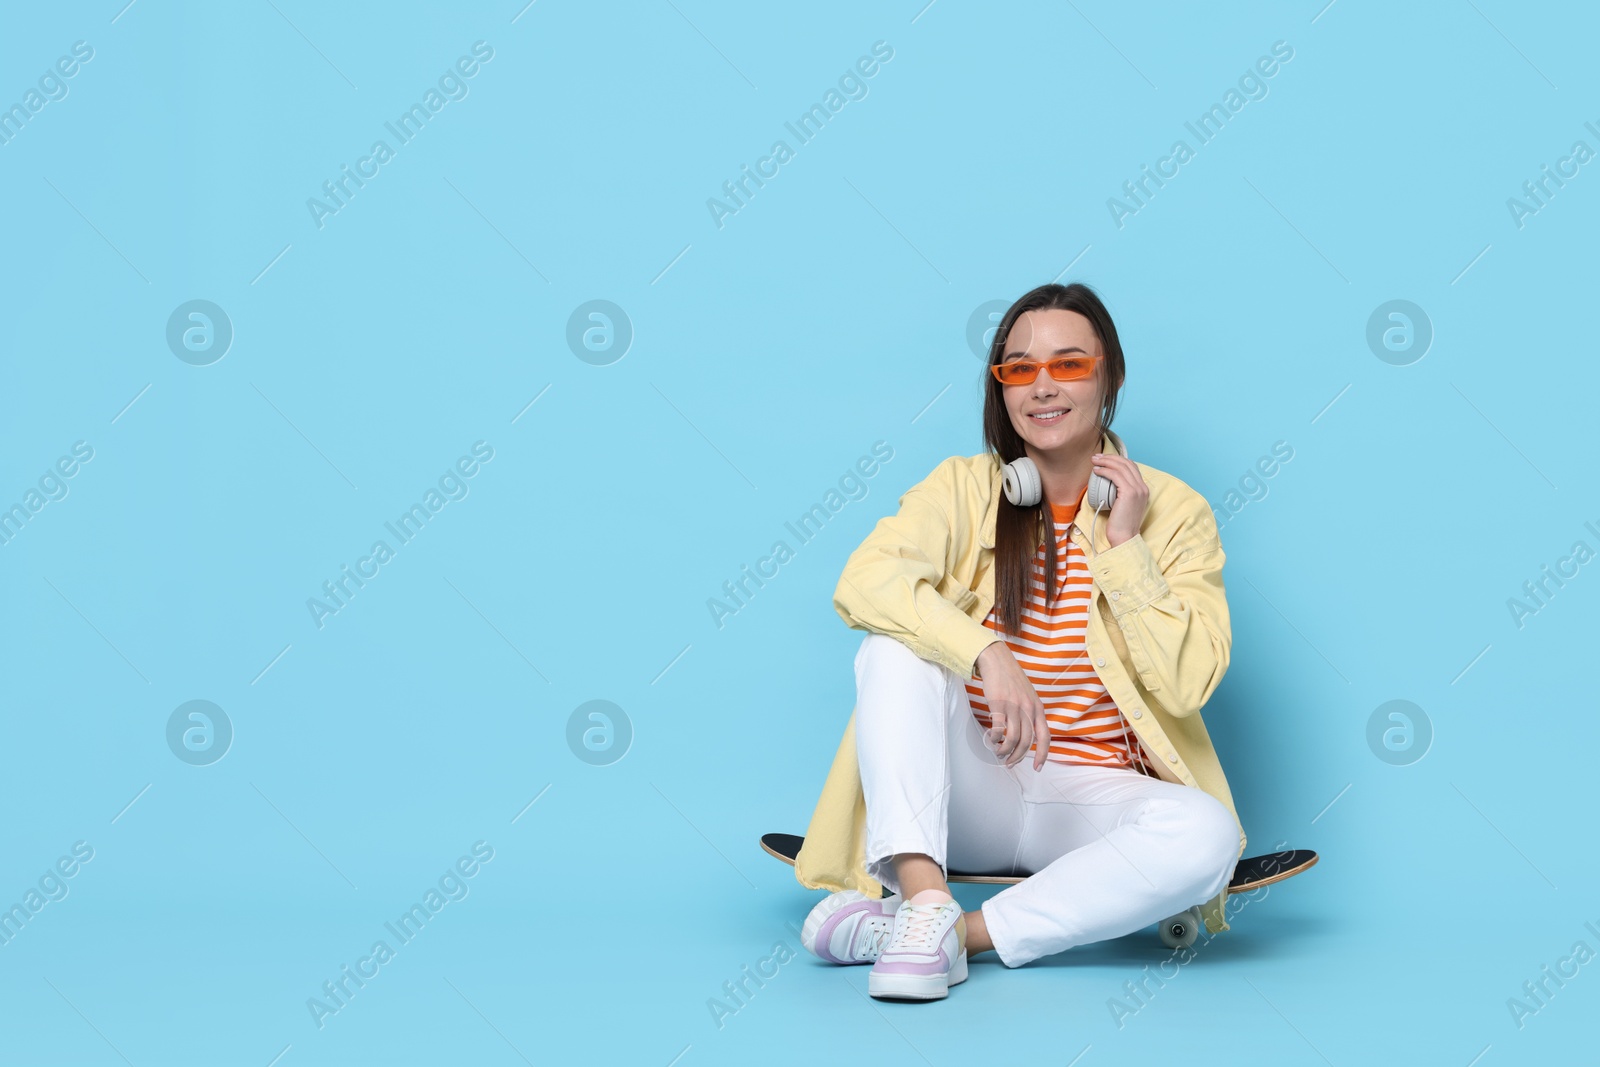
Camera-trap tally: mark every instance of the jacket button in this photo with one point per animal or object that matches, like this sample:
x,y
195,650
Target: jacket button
x,y
1172,757
1099,663
1137,713
1116,596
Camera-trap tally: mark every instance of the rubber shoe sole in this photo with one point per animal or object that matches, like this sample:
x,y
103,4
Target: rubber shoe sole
x,y
918,986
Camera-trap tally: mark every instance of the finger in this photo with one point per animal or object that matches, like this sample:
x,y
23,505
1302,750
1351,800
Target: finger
x,y
1135,479
1044,737
1115,475
1130,471
1007,736
1024,740
1114,467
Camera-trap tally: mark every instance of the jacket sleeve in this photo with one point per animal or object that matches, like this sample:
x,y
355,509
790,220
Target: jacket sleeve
x,y
890,582
1172,611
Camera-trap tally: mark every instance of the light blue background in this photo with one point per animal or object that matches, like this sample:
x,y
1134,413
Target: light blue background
x,y
768,355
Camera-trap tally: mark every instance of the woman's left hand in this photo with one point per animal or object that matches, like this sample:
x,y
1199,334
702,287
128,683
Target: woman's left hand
x,y
1133,496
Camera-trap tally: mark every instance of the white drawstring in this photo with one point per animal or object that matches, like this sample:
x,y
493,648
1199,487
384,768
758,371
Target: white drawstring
x,y
1134,748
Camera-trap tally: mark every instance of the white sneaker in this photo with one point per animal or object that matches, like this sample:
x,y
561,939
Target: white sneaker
x,y
849,927
926,955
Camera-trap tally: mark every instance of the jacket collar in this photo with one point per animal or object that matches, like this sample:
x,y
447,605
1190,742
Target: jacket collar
x,y
1109,442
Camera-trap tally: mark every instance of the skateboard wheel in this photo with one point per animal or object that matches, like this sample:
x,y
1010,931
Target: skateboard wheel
x,y
1180,930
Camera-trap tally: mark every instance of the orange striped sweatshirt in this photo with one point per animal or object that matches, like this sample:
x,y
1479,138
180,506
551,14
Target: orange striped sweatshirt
x,y
1085,724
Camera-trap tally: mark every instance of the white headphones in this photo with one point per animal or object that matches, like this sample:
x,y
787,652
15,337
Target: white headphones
x,y
1020,478
1023,488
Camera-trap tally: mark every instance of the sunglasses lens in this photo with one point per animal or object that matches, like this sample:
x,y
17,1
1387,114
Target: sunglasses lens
x,y
1071,368
1017,372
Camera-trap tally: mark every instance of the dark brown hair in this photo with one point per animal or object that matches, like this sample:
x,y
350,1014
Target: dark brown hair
x,y
1019,530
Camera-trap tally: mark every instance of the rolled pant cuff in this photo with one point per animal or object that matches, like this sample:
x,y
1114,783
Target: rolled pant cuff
x,y
879,866
1000,937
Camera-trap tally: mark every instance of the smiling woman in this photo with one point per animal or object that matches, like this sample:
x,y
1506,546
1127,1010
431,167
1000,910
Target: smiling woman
x,y
1004,625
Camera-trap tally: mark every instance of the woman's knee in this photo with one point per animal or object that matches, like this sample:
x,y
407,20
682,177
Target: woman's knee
x,y
882,647
880,654
1212,832
1201,829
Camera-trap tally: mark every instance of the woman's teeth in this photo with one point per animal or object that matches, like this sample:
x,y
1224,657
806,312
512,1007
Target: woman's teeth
x,y
1047,418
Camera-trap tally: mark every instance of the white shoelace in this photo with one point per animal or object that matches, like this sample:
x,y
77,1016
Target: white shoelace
x,y
876,937
920,927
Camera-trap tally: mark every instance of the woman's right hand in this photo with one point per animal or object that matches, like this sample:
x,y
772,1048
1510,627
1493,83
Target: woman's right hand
x,y
1014,708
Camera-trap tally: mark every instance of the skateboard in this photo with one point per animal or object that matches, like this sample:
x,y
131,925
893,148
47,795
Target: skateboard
x,y
1178,931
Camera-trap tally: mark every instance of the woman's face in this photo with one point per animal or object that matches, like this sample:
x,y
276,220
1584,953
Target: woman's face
x,y
1040,336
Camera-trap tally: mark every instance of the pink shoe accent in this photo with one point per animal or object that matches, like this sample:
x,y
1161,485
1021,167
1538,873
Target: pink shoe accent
x,y
848,928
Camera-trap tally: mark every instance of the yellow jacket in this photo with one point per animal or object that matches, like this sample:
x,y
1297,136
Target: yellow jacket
x,y
1159,632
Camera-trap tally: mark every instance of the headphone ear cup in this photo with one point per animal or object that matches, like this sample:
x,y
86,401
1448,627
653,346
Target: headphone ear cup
x,y
1021,480
1102,492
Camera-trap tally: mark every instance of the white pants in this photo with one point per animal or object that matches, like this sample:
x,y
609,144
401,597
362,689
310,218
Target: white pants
x,y
1107,850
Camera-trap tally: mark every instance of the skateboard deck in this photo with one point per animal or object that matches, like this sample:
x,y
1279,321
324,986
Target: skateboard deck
x,y
1249,873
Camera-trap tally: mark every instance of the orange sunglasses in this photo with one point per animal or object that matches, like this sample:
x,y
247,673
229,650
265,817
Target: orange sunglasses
x,y
1062,369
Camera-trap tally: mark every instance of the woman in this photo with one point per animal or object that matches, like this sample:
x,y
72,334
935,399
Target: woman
x,y
1011,723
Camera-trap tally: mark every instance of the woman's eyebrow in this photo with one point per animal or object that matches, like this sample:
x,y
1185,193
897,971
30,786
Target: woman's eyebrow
x,y
1058,352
